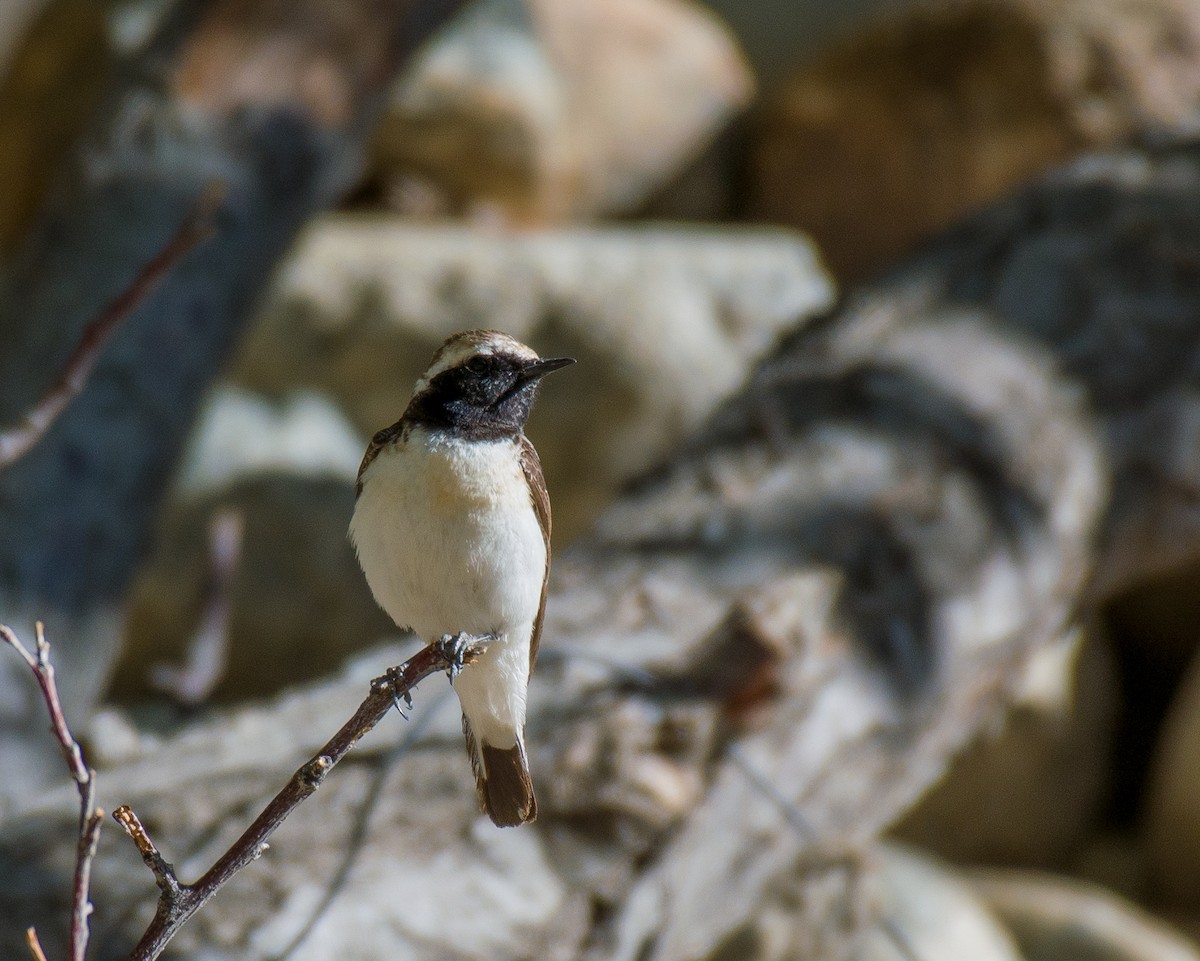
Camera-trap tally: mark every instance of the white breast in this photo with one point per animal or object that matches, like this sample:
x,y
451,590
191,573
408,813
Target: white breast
x,y
447,536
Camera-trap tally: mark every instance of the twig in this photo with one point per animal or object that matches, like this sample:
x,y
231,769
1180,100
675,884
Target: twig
x,y
362,820
18,440
35,946
90,817
178,902
193,681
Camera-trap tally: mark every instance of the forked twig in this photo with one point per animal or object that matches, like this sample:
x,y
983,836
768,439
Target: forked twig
x,y
90,817
178,902
16,441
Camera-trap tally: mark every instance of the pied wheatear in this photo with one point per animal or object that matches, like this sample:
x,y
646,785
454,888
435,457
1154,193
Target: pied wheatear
x,y
452,529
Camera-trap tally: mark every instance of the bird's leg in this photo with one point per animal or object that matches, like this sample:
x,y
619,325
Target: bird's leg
x,y
457,648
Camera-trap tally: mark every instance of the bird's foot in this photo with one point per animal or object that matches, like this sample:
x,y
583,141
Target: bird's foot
x,y
392,679
462,647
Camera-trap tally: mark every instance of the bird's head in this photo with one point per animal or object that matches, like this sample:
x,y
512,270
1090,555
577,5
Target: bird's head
x,y
480,384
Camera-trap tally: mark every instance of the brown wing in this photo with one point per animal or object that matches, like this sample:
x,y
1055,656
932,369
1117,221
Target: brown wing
x,y
378,443
532,467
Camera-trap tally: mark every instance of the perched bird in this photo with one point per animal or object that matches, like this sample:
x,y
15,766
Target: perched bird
x,y
452,529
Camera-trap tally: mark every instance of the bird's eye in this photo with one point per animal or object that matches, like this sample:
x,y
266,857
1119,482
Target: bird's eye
x,y
477,365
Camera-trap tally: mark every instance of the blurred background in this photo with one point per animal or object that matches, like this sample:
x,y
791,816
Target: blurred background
x,y
668,190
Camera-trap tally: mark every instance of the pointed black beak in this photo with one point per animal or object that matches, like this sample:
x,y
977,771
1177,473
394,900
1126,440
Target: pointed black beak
x,y
540,368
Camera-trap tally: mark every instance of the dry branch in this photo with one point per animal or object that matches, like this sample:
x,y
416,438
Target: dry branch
x,y
35,946
18,440
178,902
90,817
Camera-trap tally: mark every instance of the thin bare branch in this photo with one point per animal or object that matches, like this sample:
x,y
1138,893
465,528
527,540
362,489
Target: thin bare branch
x,y
18,440
35,946
160,867
178,902
362,820
85,854
91,818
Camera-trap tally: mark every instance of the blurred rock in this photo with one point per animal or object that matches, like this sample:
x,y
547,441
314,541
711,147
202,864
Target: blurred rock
x,y
1061,919
550,110
241,434
299,603
665,323
1153,625
940,108
15,18
54,62
1115,860
934,913
776,34
1173,800
1033,793
1162,615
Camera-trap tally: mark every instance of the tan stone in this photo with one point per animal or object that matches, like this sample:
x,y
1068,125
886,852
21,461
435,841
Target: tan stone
x,y
558,109
941,107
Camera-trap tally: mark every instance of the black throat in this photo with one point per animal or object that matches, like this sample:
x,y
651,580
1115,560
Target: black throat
x,y
444,406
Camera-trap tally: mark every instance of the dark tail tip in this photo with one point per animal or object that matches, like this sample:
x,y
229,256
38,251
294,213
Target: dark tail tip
x,y
506,788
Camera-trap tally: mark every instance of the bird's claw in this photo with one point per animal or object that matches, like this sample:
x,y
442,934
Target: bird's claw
x,y
392,679
457,647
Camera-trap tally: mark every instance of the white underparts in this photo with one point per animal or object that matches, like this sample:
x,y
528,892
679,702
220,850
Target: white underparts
x,y
447,536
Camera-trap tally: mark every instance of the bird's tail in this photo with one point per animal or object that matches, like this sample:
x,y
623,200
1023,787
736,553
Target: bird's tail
x,y
502,780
